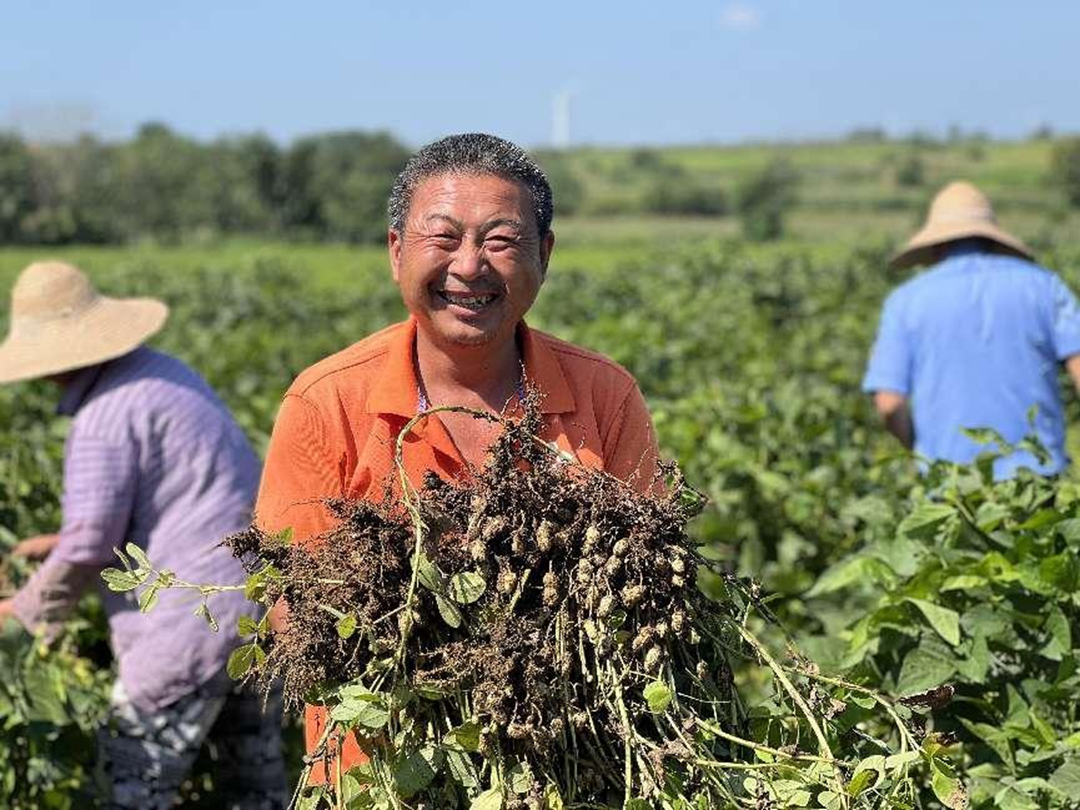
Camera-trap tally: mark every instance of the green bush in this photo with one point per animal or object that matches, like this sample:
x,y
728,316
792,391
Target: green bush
x,y
764,198
969,603
1065,169
910,171
681,194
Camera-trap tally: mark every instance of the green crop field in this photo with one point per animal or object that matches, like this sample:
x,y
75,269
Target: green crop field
x,y
750,356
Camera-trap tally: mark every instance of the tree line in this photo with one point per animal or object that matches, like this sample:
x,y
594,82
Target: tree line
x,y
165,186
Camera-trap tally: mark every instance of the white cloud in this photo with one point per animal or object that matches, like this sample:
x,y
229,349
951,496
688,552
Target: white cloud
x,y
739,16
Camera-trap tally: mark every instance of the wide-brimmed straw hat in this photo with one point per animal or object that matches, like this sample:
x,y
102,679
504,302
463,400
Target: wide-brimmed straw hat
x,y
959,211
59,322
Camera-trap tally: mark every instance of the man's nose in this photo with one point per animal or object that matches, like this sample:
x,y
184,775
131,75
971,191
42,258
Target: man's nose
x,y
470,261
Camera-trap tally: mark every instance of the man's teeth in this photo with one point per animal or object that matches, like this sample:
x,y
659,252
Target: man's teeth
x,y
469,301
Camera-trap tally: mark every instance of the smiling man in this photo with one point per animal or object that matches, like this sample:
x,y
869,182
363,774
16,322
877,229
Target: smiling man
x,y
469,242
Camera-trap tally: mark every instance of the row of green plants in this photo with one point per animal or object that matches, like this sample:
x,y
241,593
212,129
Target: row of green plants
x,y
898,582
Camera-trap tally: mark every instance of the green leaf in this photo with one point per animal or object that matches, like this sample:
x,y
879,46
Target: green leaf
x,y
139,556
451,613
353,786
849,572
963,582
860,782
1041,519
1066,779
1062,571
925,667
466,737
945,621
926,517
490,799
467,587
1012,797
415,770
346,626
869,773
257,584
429,574
949,790
994,737
241,661
120,581
148,598
975,667
361,707
553,800
246,626
896,761
658,696
1060,635
462,769
284,537
521,779
986,436
203,612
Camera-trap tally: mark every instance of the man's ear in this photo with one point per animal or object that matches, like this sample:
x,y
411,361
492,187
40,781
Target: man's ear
x,y
393,246
547,245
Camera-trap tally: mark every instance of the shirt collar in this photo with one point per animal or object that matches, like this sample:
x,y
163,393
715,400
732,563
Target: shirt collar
x,y
964,247
77,388
397,389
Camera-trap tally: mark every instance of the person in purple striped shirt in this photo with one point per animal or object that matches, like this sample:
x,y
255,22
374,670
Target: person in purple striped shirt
x,y
154,458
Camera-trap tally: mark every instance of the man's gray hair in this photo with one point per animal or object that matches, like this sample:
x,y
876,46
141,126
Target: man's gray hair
x,y
472,153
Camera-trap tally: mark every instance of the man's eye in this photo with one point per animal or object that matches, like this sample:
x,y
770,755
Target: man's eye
x,y
500,242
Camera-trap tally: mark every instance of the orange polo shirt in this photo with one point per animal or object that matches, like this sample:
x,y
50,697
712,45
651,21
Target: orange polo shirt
x,y
335,432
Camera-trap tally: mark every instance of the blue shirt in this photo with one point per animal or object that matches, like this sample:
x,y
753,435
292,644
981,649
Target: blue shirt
x,y
976,341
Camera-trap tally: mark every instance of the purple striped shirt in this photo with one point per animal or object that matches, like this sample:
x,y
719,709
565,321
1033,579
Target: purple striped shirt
x,y
154,458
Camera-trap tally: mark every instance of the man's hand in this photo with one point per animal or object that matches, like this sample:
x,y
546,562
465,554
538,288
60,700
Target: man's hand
x,y
36,548
894,412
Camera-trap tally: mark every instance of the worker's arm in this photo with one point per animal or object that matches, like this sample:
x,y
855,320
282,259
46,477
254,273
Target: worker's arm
x,y
99,488
893,408
36,548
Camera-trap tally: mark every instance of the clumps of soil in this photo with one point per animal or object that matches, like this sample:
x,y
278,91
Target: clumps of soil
x,y
547,601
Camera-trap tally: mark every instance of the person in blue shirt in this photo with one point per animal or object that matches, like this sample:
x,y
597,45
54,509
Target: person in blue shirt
x,y
975,341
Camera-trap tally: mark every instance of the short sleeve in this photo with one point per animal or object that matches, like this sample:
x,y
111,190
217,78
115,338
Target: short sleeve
x,y
100,483
298,474
1065,320
891,359
630,448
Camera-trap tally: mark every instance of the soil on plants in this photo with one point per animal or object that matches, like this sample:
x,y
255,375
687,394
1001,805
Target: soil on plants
x,y
550,595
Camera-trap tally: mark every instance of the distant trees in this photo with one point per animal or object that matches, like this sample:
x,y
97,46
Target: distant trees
x,y
671,189
910,172
165,186
764,198
1065,169
16,187
568,189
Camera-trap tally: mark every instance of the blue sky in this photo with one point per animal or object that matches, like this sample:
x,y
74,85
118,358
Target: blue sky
x,y
658,72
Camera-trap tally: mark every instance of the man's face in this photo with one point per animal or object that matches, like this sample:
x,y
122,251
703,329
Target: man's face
x,y
470,261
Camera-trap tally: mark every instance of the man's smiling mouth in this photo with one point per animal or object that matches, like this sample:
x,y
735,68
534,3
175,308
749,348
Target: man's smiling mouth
x,y
472,301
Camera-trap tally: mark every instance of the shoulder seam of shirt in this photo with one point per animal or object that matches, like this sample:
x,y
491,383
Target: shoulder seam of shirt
x,y
560,346
302,391
364,355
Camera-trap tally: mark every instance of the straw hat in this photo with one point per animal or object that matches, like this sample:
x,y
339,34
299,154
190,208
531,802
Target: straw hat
x,y
959,211
59,322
